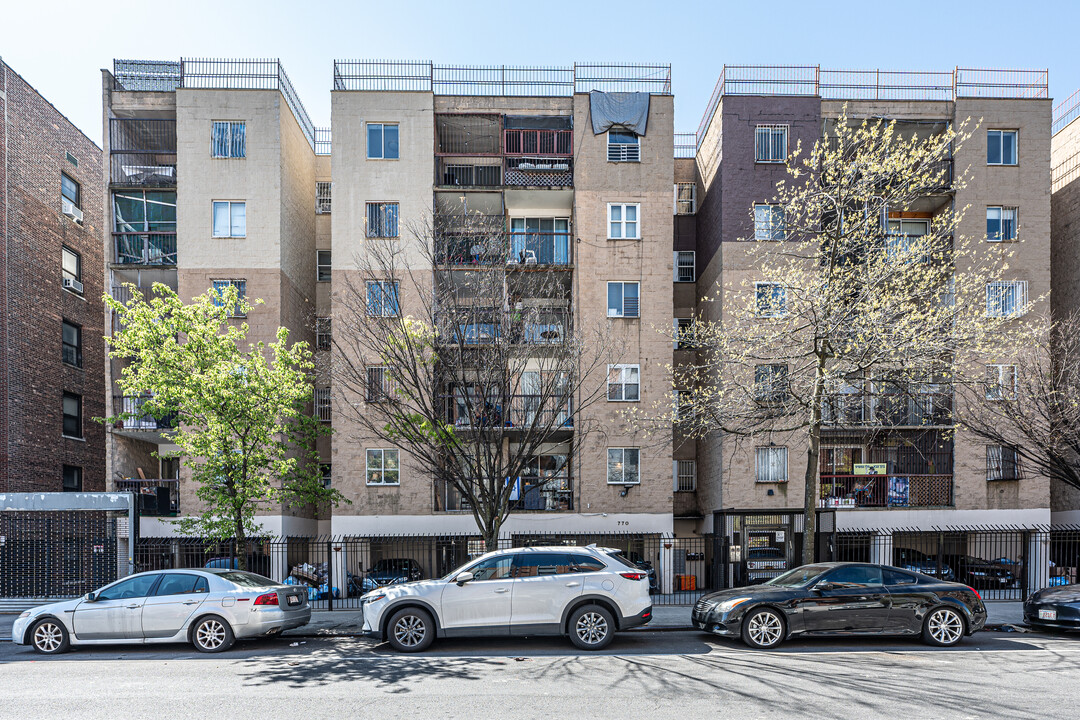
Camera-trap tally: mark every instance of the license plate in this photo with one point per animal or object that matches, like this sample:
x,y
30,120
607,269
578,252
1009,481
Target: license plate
x,y
1048,614
294,599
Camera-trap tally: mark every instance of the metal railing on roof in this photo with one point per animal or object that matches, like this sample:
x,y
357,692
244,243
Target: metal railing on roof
x,y
500,80
1065,112
322,141
685,144
828,84
213,73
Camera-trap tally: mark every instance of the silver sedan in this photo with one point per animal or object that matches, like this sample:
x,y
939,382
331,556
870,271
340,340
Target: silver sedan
x,y
209,608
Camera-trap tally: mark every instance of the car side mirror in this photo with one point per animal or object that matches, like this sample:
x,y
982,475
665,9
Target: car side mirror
x,y
825,586
463,578
90,597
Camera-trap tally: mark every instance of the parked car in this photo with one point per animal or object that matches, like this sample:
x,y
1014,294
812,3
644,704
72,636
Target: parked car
x,y
256,563
764,563
580,592
391,571
920,562
634,560
843,599
209,608
986,574
1054,607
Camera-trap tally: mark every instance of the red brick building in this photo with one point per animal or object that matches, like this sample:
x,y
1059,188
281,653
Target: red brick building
x,y
51,317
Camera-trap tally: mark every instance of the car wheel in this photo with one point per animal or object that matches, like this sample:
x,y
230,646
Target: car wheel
x,y
763,629
591,628
943,627
411,630
49,637
212,634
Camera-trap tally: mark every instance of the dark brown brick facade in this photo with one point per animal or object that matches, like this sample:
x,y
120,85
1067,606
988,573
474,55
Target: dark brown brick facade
x,y
35,140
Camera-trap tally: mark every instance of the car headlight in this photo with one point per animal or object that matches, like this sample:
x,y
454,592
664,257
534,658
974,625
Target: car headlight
x,y
729,605
25,614
372,597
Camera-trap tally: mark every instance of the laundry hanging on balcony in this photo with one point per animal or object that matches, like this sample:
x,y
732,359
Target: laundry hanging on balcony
x,y
629,110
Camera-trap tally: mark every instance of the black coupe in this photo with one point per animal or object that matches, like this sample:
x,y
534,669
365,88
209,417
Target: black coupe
x,y
1056,607
843,599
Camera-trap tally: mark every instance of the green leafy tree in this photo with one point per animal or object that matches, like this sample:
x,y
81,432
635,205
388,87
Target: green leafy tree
x,y
243,419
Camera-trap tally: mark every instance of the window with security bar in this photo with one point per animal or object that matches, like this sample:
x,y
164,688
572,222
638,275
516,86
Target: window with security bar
x,y
228,139
1006,299
220,286
771,465
769,223
1002,463
322,404
770,143
378,384
322,198
685,475
322,333
770,299
684,333
685,198
771,384
623,300
382,220
1000,381
685,271
623,146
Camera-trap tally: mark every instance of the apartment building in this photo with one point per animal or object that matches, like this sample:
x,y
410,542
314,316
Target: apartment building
x,y
935,475
51,227
1065,241
212,175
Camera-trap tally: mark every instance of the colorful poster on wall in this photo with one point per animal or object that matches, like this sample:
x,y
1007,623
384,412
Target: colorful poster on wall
x,y
870,469
898,490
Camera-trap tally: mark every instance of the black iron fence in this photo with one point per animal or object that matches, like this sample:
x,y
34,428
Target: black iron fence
x,y
56,554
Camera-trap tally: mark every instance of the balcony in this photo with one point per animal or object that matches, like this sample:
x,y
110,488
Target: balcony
x,y
522,250
519,412
142,153
156,498
468,172
880,491
917,410
145,248
136,418
551,493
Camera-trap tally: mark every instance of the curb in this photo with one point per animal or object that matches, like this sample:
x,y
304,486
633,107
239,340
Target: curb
x,y
356,633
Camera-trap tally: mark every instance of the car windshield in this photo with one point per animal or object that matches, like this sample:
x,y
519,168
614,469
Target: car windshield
x,y
246,579
799,577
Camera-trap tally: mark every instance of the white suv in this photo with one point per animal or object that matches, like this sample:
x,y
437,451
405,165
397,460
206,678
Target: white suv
x,y
575,591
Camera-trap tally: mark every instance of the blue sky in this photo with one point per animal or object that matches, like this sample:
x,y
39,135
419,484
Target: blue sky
x,y
60,45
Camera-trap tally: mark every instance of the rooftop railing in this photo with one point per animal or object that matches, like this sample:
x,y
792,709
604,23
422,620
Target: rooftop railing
x,y
813,81
1065,112
685,144
322,141
213,73
500,80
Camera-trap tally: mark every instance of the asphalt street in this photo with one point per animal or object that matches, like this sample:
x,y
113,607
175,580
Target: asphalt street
x,y
677,674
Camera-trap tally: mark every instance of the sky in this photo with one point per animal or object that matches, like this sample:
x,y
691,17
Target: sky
x,y
59,46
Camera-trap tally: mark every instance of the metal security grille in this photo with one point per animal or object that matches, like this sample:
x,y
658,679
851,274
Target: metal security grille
x,y
322,198
56,554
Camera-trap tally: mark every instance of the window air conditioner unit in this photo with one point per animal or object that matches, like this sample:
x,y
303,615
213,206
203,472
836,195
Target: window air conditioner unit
x,y
71,211
73,284
612,312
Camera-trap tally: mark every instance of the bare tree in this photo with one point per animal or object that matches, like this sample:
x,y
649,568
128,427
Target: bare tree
x,y
458,347
835,315
1028,408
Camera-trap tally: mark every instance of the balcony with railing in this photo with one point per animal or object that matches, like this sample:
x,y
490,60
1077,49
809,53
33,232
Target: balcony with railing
x,y
523,249
158,497
145,248
510,414
881,491
142,152
135,418
932,408
906,468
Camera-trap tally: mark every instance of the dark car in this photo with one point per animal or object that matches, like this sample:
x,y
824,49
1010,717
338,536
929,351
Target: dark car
x,y
920,562
985,574
1056,607
391,571
843,599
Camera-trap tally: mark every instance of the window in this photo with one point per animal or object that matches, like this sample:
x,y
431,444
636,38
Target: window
x,y
685,475
493,568
684,266
855,576
230,218
181,584
1002,463
771,465
383,467
322,198
326,471
382,219
1006,299
770,143
72,406
684,405
624,383
136,587
220,286
71,267
228,139
1000,381
382,298
622,299
1000,147
903,238
378,384
895,577
684,333
382,141
770,299
1000,223
72,478
323,267
685,198
623,466
623,221
322,333
771,384
769,222
623,146
69,190
536,564
71,340
323,404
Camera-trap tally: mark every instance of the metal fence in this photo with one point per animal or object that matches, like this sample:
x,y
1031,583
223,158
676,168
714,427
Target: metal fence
x,y
56,554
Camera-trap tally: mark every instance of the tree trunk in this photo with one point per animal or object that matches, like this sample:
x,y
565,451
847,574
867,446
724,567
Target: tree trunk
x,y
813,453
491,534
240,540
